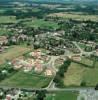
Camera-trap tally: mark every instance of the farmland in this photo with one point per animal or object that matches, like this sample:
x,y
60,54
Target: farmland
x,y
7,19
78,73
40,23
26,80
13,52
62,96
75,16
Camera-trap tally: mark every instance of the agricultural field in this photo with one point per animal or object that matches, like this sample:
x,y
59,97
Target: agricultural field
x,y
4,31
78,73
75,16
8,19
40,23
62,96
13,52
26,80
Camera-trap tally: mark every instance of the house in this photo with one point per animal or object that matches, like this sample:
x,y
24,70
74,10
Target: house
x,y
17,63
1,50
8,97
22,37
48,72
38,66
14,39
36,54
3,40
27,66
17,66
30,61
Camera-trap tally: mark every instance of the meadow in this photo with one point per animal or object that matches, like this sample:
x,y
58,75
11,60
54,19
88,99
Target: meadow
x,y
62,96
13,52
75,16
26,80
78,73
8,19
40,23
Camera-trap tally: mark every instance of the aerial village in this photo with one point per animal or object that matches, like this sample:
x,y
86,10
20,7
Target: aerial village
x,y
45,61
40,50
36,61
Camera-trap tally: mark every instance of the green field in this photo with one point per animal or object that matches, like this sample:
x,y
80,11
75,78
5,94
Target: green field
x,y
62,96
4,31
13,52
26,80
75,16
40,23
78,73
7,19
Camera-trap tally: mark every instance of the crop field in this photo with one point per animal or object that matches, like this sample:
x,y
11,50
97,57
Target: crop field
x,y
7,19
26,80
13,52
78,73
40,23
75,16
62,96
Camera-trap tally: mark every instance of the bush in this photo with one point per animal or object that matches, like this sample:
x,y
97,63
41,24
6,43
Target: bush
x,y
83,83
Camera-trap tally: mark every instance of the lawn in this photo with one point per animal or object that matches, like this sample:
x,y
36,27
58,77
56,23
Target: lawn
x,y
13,52
78,73
7,19
26,80
75,16
62,96
41,23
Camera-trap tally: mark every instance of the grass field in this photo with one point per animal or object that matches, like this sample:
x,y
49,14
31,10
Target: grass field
x,y
7,19
26,80
41,23
4,31
75,16
13,52
62,96
78,73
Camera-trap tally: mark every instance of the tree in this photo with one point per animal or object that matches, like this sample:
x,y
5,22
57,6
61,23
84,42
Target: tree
x,y
95,58
83,83
41,94
96,87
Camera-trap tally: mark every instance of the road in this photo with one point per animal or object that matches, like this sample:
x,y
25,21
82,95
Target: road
x,y
82,51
